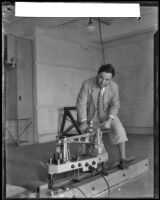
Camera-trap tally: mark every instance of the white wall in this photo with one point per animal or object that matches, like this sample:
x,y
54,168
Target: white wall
x,y
133,60
132,54
61,66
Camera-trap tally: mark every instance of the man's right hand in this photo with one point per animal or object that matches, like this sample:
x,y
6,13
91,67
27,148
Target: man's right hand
x,y
83,127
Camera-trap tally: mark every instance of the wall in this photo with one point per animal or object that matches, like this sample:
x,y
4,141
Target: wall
x,y
131,50
63,59
132,57
61,66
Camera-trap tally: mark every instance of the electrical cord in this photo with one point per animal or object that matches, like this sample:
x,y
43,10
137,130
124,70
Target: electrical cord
x,y
107,184
79,190
101,40
101,173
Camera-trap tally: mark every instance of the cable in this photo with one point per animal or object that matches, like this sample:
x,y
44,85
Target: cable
x,y
102,177
107,185
101,173
42,164
79,190
101,40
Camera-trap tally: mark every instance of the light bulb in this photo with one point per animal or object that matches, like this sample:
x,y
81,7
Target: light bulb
x,y
91,28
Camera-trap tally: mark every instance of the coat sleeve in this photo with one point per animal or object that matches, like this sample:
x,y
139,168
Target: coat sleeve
x,y
81,103
114,102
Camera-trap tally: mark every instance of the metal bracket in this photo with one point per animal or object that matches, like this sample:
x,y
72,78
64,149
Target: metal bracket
x,y
74,124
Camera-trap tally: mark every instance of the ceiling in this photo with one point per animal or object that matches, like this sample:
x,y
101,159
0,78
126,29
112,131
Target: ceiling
x,y
11,23
8,18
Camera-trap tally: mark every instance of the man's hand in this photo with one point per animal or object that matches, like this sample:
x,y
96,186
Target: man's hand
x,y
107,124
83,127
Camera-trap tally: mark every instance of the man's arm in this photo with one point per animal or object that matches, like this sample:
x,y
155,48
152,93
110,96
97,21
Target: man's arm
x,y
114,106
114,103
81,104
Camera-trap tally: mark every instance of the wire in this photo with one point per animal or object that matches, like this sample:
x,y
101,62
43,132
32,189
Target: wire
x,y
107,184
79,190
102,177
42,164
101,173
101,40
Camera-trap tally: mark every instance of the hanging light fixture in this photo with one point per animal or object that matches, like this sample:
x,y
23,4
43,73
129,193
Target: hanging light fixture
x,y
90,27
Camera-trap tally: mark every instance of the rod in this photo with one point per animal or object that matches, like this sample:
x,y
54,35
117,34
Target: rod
x,y
4,51
103,56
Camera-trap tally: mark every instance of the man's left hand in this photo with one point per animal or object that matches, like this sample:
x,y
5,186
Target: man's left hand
x,y
107,124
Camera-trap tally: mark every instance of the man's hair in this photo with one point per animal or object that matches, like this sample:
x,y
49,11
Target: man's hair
x,y
108,68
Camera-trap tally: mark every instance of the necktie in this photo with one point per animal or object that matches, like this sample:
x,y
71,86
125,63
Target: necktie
x,y
100,104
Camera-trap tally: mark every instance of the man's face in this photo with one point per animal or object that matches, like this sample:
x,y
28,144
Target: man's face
x,y
103,79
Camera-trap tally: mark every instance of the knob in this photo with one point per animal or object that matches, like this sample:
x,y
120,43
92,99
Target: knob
x,y
93,163
86,164
72,166
79,164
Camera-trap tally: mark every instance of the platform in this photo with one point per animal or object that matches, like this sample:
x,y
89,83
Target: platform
x,y
94,186
12,190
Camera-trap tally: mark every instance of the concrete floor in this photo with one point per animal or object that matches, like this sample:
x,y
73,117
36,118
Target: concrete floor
x,y
25,165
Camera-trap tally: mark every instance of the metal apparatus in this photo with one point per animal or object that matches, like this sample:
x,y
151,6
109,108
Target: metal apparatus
x,y
91,154
95,178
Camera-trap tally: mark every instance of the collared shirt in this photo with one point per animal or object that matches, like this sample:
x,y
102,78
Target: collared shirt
x,y
110,116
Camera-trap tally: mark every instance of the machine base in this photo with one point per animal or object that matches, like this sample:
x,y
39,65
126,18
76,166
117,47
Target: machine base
x,y
98,185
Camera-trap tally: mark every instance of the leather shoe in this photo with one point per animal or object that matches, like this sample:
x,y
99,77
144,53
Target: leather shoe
x,y
123,164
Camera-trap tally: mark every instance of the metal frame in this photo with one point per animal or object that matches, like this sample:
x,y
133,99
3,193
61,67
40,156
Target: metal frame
x,y
19,133
74,124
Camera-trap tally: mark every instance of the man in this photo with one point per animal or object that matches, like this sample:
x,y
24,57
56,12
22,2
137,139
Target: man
x,y
89,107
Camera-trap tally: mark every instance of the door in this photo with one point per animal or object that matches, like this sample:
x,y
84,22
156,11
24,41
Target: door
x,y
24,65
19,91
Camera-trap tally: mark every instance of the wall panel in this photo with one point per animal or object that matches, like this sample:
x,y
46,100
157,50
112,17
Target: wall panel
x,y
61,67
132,58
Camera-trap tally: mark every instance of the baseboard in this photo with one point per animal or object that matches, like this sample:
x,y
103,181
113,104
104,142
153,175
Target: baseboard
x,y
47,137
139,130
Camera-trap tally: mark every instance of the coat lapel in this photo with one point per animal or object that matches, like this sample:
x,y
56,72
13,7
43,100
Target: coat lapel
x,y
106,95
94,94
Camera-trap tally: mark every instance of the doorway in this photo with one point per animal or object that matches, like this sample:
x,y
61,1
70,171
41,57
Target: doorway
x,y
19,91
